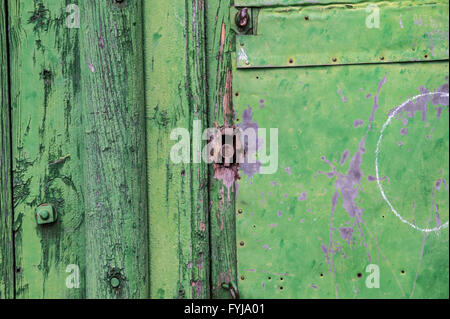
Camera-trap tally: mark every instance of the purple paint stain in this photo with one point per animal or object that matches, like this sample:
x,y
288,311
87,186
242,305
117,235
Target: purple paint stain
x,y
438,220
368,96
346,234
101,42
440,99
347,183
302,197
288,170
371,178
376,100
438,185
349,186
279,213
250,147
273,225
343,97
419,22
266,247
404,131
286,195
438,112
358,123
445,184
419,105
344,157
314,286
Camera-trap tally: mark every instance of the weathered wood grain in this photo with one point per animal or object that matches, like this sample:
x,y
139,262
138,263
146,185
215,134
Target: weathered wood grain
x,y
222,204
114,150
178,193
47,148
6,213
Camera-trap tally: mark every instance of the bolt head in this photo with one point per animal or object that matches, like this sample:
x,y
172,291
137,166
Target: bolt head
x,y
45,214
115,282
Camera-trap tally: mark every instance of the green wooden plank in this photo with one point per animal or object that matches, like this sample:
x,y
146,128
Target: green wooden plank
x,y
319,35
114,155
6,212
280,3
311,229
222,200
47,148
178,193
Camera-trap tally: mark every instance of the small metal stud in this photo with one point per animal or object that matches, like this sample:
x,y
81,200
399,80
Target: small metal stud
x,y
115,282
45,214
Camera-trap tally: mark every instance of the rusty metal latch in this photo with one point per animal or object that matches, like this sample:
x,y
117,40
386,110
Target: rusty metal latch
x,y
242,18
231,286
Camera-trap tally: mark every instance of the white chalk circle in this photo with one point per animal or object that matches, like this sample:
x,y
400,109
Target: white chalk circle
x,y
396,111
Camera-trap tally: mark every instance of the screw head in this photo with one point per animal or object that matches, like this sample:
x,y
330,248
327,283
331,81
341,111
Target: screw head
x,y
115,282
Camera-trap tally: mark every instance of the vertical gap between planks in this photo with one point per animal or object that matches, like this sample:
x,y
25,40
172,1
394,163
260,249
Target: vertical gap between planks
x,y
9,112
144,82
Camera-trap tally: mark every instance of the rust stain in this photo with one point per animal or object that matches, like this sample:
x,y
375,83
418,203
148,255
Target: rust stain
x,y
226,102
222,39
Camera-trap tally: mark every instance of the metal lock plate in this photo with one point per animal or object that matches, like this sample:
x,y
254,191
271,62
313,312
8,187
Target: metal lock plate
x,y
227,147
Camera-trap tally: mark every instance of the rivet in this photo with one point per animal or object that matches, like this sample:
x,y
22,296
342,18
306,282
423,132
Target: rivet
x,y
242,243
240,211
115,282
334,59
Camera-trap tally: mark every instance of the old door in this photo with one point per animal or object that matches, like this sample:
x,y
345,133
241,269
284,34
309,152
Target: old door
x,y
359,205
348,195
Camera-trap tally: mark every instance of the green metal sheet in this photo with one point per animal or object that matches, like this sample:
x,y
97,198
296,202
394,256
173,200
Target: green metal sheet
x,y
311,229
274,3
338,34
